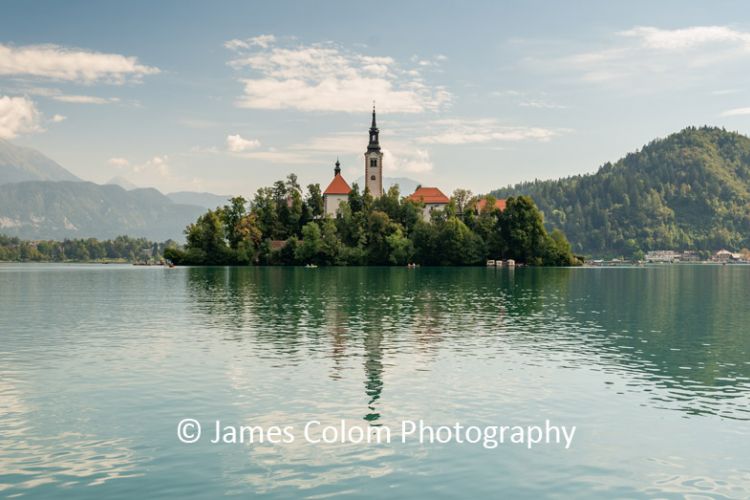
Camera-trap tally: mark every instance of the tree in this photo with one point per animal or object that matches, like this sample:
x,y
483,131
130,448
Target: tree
x,y
231,215
311,247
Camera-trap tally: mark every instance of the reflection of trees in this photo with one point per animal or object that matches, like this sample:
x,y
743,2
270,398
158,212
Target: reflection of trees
x,y
675,327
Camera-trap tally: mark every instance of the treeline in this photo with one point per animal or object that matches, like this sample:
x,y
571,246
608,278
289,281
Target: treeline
x,y
281,225
122,248
690,191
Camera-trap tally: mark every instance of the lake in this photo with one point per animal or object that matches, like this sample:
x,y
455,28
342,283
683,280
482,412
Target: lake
x,y
99,364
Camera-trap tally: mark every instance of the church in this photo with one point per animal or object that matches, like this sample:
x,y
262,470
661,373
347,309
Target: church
x,y
338,190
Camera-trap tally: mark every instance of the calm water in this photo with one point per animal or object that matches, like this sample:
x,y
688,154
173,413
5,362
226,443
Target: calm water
x,y
99,363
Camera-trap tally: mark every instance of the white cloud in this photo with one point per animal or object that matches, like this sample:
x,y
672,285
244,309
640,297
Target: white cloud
x,y
736,112
642,57
540,104
77,65
157,165
58,118
687,38
118,162
416,163
18,115
325,77
262,41
482,130
237,144
85,99
58,95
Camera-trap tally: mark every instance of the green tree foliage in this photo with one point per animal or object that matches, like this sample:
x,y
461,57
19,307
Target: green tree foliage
x,y
690,191
122,248
281,226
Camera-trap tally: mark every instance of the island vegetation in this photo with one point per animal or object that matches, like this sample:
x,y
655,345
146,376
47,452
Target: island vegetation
x,y
283,226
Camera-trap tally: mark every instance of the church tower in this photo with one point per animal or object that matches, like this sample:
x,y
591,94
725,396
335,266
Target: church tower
x,y
374,161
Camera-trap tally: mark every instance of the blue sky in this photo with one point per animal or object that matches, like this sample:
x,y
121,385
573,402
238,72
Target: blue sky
x,y
230,96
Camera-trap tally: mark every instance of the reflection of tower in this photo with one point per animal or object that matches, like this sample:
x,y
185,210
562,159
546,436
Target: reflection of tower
x,y
374,372
374,161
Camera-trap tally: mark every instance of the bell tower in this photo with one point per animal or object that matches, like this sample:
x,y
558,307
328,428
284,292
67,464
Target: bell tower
x,y
374,161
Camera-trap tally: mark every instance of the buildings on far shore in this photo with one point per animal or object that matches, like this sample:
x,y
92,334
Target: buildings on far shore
x,y
338,190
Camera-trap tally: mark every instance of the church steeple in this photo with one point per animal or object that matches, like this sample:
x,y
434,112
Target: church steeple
x,y
374,144
374,160
337,169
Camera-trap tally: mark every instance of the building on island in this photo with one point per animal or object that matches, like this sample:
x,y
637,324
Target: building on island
x,y
336,192
432,198
481,204
374,161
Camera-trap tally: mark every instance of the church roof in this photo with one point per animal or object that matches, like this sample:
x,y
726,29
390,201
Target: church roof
x,y
499,204
337,186
429,195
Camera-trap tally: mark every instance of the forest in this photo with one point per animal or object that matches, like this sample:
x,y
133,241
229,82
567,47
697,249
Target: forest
x,y
689,191
120,249
282,225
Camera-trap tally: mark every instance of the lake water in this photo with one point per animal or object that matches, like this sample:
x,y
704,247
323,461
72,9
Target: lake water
x,y
98,364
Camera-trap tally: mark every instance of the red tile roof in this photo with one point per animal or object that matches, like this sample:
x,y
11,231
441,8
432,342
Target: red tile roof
x,y
429,195
337,186
499,204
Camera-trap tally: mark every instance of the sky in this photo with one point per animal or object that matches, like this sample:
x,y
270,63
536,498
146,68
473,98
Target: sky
x,y
227,97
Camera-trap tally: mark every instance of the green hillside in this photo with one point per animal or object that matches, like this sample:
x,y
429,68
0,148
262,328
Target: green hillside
x,y
690,190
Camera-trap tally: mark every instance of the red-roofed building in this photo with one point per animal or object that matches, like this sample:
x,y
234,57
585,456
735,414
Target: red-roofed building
x,y
432,198
482,203
336,192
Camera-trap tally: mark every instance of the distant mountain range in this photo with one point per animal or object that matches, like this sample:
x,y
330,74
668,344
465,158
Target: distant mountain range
x,y
65,209
18,164
689,191
39,199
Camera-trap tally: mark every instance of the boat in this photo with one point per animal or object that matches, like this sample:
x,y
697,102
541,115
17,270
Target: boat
x,y
311,266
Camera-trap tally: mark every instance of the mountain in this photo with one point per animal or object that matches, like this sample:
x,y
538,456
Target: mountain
x,y
406,186
19,164
690,190
122,182
56,210
204,200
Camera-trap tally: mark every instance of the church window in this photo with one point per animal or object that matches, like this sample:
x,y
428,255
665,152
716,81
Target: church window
x,y
373,162
372,177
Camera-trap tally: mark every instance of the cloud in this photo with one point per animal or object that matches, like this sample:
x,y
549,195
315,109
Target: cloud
x,y
687,38
76,65
262,41
482,130
736,112
325,77
236,144
18,115
415,163
58,118
156,165
118,162
85,99
540,104
642,56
